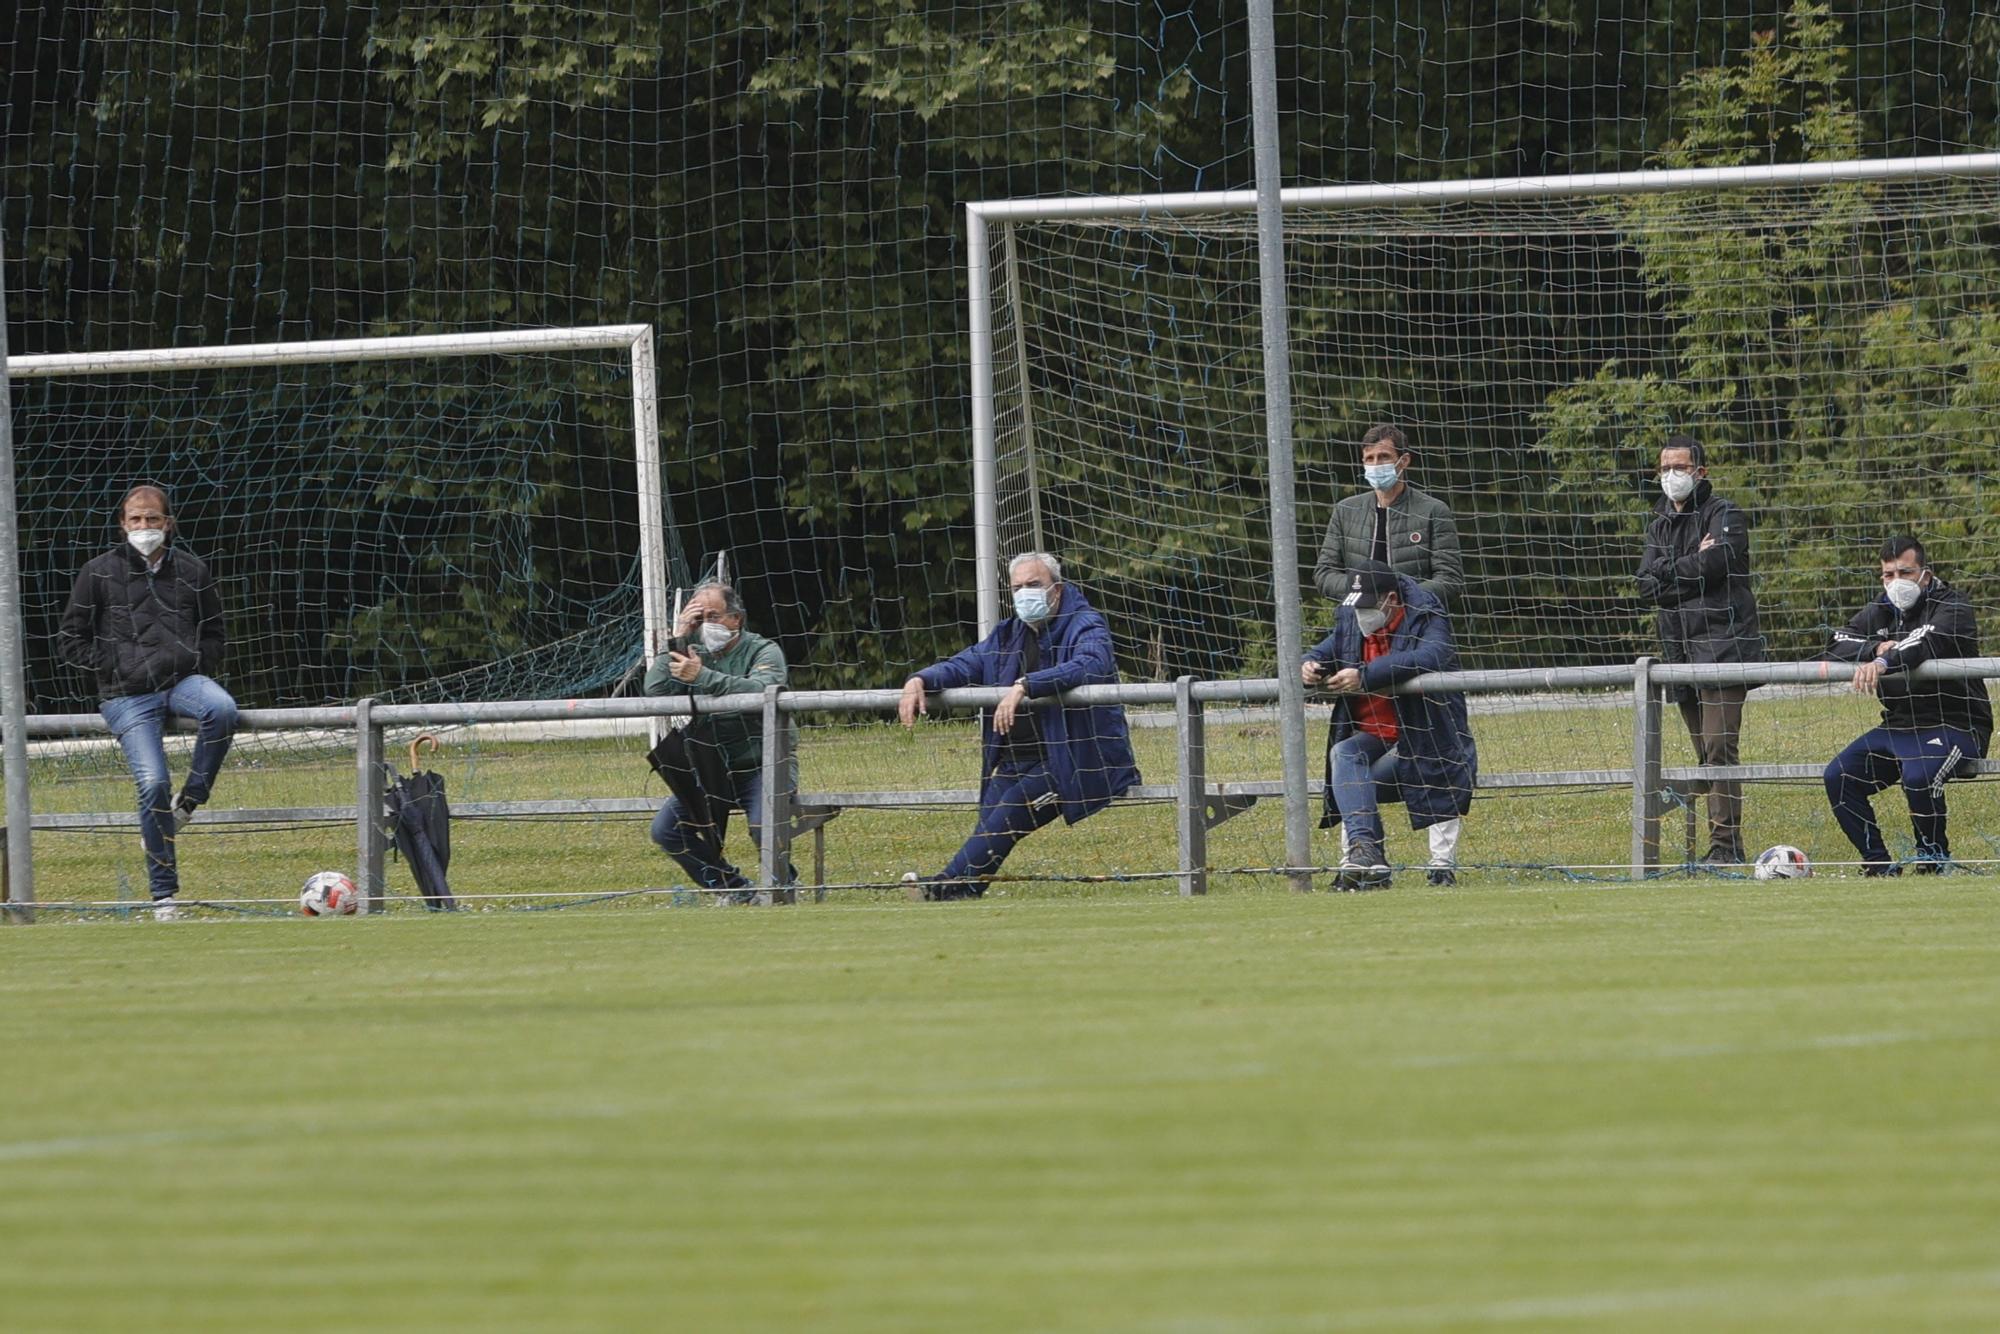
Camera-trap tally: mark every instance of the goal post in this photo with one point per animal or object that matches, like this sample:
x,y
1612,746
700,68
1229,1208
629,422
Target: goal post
x,y
1025,395
633,347
635,341
1831,330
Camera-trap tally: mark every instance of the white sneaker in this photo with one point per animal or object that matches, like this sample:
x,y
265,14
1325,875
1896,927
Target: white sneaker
x,y
182,815
166,910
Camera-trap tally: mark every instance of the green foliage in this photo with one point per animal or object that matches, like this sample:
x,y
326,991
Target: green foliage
x,y
1822,360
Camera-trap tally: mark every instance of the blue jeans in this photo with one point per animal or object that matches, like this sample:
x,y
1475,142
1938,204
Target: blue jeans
x,y
1364,776
679,842
1921,761
1023,799
139,722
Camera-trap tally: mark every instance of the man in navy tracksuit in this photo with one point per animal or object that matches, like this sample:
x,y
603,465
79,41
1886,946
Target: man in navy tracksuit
x,y
1928,727
1416,748
1036,764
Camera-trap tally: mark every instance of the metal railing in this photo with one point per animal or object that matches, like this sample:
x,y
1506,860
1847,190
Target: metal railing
x,y
1199,804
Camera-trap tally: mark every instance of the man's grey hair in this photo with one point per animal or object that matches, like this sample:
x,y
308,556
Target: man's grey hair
x,y
1048,562
732,603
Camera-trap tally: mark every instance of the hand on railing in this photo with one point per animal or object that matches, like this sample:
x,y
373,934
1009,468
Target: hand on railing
x,y
912,702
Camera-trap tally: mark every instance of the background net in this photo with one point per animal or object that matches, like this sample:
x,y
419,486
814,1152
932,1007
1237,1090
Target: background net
x,y
778,193
445,528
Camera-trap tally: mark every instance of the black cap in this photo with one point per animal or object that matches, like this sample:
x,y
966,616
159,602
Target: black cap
x,y
1367,583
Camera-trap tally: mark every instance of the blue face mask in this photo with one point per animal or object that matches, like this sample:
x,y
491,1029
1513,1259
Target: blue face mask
x,y
1381,476
1032,604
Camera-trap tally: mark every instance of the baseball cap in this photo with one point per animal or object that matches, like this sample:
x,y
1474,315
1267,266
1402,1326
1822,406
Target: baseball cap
x,y
1366,583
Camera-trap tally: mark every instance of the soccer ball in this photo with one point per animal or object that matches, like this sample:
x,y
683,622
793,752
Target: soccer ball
x,y
1783,862
329,894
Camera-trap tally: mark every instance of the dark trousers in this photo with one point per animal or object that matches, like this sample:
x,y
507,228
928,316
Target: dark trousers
x,y
1022,800
1920,761
704,867
1714,716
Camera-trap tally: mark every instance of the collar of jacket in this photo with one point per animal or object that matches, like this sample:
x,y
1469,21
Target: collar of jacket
x,y
1703,489
138,563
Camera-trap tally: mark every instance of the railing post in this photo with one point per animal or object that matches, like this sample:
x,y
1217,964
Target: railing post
x,y
774,851
370,840
1191,791
1645,770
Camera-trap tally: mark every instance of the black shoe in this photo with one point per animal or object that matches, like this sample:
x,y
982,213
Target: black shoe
x,y
1930,866
1873,869
1442,876
930,889
1364,869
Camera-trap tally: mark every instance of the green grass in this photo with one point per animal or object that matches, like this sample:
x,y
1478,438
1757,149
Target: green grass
x,y
1693,1105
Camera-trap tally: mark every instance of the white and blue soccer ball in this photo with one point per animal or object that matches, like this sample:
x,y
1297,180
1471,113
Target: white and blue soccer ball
x,y
1781,862
329,894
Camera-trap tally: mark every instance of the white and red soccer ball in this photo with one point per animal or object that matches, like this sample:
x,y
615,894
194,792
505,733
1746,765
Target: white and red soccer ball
x,y
1781,862
329,894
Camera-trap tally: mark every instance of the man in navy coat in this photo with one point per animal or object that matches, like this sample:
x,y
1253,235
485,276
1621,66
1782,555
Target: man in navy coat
x,y
1416,749
1036,763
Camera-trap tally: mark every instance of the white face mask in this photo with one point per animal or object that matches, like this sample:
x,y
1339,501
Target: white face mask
x,y
1903,593
1381,476
715,636
1032,604
1678,486
1371,620
146,541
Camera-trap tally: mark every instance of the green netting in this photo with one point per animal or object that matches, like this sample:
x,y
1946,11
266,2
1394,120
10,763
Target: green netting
x,y
433,529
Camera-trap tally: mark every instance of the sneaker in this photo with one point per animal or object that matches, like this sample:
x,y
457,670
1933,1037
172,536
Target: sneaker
x,y
1873,869
1442,876
183,812
1365,868
929,889
166,910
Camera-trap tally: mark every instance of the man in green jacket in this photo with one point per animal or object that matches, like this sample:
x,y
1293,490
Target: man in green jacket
x,y
723,658
1392,522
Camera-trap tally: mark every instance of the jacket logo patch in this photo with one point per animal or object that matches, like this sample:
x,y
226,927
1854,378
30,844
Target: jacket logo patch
x,y
1416,537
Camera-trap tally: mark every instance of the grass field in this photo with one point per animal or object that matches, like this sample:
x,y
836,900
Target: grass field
x,y
1692,1105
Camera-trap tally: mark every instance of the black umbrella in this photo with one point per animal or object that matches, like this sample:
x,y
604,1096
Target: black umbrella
x,y
421,819
692,769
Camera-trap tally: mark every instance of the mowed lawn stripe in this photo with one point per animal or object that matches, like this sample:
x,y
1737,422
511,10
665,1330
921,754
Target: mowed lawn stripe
x,y
1711,1103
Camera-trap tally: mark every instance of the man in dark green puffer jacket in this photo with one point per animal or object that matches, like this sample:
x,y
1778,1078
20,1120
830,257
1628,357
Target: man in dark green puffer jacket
x,y
1412,533
723,659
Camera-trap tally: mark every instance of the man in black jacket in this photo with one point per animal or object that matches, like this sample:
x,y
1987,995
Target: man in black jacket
x,y
1696,570
146,620
1927,727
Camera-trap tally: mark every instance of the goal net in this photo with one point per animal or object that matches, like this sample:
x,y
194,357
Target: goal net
x,y
1835,347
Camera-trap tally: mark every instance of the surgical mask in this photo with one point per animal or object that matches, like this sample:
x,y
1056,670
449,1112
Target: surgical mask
x,y
146,541
1032,604
715,636
1371,620
1677,485
1904,593
1381,476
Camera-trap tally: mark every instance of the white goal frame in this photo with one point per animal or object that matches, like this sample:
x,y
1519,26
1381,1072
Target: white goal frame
x,y
984,216
635,340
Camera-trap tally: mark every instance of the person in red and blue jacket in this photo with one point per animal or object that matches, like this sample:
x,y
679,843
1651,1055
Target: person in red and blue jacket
x,y
1036,763
1416,749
